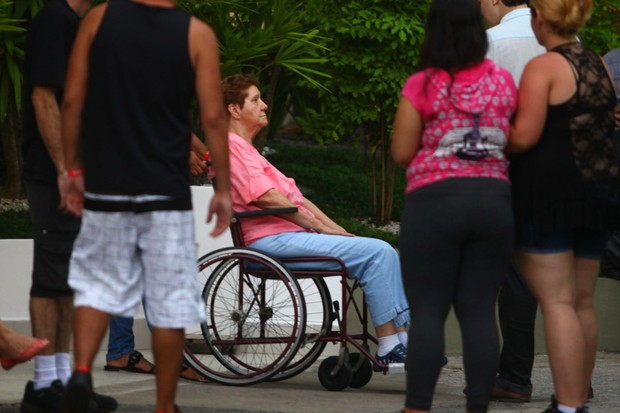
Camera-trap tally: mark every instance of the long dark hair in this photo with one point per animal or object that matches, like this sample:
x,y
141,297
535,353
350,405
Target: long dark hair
x,y
455,36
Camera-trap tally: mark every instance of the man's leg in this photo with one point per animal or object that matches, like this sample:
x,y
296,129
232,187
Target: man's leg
x,y
44,318
120,340
517,317
122,354
90,326
168,350
63,339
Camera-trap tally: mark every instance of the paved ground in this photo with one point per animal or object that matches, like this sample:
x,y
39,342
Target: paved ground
x,y
304,394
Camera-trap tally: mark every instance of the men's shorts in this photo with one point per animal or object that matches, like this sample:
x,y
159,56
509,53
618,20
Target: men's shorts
x,y
119,258
54,234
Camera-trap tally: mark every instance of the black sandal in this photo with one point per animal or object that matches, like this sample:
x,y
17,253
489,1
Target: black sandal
x,y
134,359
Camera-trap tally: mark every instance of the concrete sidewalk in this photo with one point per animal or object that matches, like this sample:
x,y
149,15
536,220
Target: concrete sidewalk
x,y
304,393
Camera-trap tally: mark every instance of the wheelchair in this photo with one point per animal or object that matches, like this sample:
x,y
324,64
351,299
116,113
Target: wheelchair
x,y
269,319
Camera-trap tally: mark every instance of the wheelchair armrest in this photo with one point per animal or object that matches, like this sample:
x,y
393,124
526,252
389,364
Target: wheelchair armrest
x,y
263,212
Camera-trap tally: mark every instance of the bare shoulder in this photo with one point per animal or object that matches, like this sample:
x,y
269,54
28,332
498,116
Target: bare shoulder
x,y
199,29
546,65
202,40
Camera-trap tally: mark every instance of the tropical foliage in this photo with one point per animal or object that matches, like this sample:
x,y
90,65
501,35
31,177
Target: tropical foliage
x,y
336,66
270,39
374,48
13,19
602,33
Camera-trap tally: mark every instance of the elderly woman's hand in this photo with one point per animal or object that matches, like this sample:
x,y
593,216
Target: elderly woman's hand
x,y
334,229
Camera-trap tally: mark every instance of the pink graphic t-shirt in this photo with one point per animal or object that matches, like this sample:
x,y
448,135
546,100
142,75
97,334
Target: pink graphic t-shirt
x,y
466,123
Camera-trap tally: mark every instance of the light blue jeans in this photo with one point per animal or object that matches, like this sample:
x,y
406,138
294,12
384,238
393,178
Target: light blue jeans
x,y
373,262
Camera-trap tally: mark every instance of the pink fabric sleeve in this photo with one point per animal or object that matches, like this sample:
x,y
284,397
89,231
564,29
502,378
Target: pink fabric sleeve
x,y
414,91
246,173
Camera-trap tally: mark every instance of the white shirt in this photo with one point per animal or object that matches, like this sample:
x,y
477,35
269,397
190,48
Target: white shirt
x,y
512,42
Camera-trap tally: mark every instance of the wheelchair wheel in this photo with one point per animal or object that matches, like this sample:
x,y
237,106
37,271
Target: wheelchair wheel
x,y
361,370
319,322
332,377
256,318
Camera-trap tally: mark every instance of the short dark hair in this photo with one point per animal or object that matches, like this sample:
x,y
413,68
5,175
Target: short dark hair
x,y
513,3
455,37
235,88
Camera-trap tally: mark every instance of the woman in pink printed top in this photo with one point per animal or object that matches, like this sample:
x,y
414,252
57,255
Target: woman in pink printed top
x,y
257,184
450,132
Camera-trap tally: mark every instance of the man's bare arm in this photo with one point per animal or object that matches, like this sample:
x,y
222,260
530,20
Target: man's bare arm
x,y
204,54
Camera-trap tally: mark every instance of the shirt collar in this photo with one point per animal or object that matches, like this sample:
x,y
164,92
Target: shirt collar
x,y
515,14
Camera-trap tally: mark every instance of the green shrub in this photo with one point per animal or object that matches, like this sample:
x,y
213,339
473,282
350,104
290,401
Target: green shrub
x,y
332,177
15,225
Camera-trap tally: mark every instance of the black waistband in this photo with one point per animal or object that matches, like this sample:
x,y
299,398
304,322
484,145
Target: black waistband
x,y
138,207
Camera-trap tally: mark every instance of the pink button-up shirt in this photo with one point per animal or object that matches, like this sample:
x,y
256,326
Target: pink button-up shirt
x,y
251,176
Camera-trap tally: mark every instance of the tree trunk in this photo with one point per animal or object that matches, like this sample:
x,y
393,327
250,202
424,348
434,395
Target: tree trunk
x,y
9,131
380,169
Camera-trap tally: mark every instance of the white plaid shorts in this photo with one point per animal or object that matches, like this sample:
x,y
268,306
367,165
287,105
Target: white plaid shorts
x,y
120,258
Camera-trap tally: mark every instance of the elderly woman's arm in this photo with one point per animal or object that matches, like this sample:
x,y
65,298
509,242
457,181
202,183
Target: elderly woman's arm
x,y
319,222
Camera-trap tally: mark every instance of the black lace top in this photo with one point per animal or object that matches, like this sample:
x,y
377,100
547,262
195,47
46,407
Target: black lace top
x,y
554,183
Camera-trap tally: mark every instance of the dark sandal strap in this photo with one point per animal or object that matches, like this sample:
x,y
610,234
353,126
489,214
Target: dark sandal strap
x,y
134,359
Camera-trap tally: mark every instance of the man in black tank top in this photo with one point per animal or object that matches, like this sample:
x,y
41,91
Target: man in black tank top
x,y
134,70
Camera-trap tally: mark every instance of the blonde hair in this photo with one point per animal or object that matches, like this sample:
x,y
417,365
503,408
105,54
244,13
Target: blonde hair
x,y
564,16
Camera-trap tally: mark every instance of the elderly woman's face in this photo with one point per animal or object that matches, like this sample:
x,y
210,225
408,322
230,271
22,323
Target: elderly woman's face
x,y
254,111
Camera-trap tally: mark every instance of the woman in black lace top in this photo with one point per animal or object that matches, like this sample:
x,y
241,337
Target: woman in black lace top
x,y
563,179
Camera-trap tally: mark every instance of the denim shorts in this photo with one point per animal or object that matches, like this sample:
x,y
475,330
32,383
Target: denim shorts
x,y
585,243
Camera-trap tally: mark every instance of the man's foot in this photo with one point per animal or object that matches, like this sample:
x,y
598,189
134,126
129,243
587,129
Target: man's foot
x,y
502,395
397,355
80,397
46,400
133,363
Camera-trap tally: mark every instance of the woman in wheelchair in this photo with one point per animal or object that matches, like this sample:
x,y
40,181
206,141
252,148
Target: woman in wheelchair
x,y
257,184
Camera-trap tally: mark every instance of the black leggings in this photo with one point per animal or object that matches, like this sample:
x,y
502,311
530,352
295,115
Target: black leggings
x,y
456,243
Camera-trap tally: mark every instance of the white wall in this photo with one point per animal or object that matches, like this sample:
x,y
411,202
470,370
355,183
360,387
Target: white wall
x,y
16,268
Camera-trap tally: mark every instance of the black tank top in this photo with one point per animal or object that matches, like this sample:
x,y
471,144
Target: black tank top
x,y
140,87
554,183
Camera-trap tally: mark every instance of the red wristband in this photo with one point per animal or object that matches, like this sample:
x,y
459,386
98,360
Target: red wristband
x,y
74,173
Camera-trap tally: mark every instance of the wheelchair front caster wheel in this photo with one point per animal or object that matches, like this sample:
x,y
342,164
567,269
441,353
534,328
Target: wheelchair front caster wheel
x,y
334,380
361,370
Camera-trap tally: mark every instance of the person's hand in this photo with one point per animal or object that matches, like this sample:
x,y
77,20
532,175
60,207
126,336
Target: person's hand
x,y
335,231
332,230
72,192
196,165
617,116
221,205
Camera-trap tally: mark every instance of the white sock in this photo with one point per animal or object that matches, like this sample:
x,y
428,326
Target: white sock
x,y
63,366
44,371
403,337
386,344
566,409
